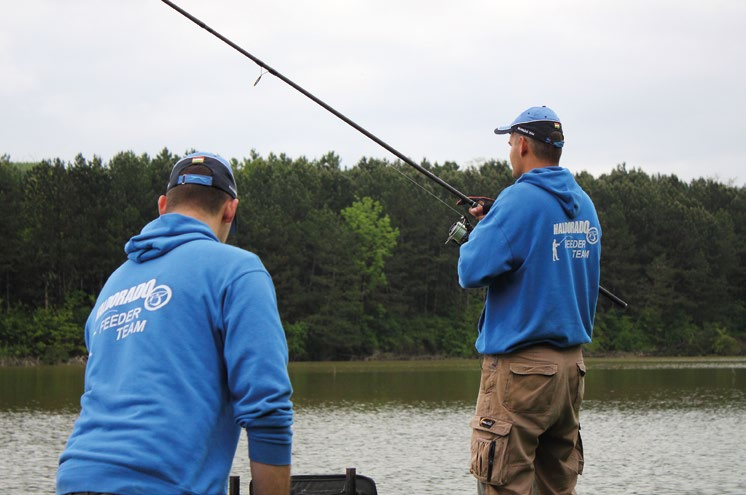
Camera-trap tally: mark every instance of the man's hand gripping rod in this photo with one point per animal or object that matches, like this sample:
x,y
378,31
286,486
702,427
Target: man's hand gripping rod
x,y
458,232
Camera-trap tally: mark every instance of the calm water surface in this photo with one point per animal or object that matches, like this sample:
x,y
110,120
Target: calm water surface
x,y
649,426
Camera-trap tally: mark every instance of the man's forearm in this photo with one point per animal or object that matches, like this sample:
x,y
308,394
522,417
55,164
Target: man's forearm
x,y
270,480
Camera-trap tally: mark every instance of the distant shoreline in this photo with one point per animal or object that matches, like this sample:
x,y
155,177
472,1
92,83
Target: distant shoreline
x,y
6,362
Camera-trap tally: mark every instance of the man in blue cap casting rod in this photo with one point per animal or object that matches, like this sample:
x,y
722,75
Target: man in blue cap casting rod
x,y
185,349
537,250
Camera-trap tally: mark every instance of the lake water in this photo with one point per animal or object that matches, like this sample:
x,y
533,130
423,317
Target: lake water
x,y
650,426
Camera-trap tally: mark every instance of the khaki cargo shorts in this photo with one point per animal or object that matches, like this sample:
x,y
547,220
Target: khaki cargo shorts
x,y
526,429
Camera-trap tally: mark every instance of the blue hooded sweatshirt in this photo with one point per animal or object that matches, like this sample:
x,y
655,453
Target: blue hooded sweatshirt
x,y
538,252
185,349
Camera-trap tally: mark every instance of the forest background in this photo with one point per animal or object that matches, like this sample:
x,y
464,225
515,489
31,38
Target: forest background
x,y
358,256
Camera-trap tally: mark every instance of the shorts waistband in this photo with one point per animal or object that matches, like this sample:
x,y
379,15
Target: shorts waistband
x,y
542,349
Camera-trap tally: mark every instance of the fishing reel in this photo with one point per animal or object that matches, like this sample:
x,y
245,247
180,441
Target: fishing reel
x,y
459,232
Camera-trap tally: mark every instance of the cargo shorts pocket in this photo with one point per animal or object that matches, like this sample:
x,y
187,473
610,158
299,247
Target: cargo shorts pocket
x,y
489,442
578,454
530,387
580,391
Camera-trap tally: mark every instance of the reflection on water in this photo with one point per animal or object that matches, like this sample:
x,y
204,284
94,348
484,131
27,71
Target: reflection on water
x,y
43,388
426,383
649,426
657,388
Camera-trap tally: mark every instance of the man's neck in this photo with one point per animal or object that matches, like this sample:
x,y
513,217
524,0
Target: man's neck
x,y
212,221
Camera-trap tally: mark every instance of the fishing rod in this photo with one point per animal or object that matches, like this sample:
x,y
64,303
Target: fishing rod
x,y
459,231
463,197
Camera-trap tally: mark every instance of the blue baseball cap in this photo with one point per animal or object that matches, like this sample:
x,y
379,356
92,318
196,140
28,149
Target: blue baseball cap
x,y
537,123
221,174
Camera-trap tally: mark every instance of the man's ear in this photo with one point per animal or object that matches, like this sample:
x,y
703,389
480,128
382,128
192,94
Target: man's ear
x,y
523,145
229,212
162,204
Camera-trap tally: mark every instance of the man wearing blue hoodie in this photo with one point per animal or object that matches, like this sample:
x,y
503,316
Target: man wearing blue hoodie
x,y
185,349
537,251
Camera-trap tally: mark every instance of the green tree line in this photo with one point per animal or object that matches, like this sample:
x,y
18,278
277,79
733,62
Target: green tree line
x,y
358,254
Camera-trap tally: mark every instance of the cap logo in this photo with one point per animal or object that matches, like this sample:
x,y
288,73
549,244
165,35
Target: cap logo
x,y
557,125
198,159
525,131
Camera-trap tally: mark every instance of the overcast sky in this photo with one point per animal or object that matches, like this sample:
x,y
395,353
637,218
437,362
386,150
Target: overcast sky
x,y
658,85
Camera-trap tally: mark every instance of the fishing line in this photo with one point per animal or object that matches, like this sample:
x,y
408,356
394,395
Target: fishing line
x,y
261,73
428,191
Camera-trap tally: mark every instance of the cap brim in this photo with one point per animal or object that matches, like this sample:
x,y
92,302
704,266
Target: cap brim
x,y
504,129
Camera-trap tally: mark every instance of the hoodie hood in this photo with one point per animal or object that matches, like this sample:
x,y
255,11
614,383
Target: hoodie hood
x,y
558,182
164,234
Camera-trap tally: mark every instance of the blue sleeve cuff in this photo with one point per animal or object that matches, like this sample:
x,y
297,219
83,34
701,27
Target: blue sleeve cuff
x,y
271,445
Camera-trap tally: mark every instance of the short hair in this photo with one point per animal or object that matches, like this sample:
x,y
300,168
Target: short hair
x,y
547,152
205,198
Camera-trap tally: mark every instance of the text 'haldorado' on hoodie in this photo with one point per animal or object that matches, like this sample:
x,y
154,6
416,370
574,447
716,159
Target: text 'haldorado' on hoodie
x,y
538,252
185,349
